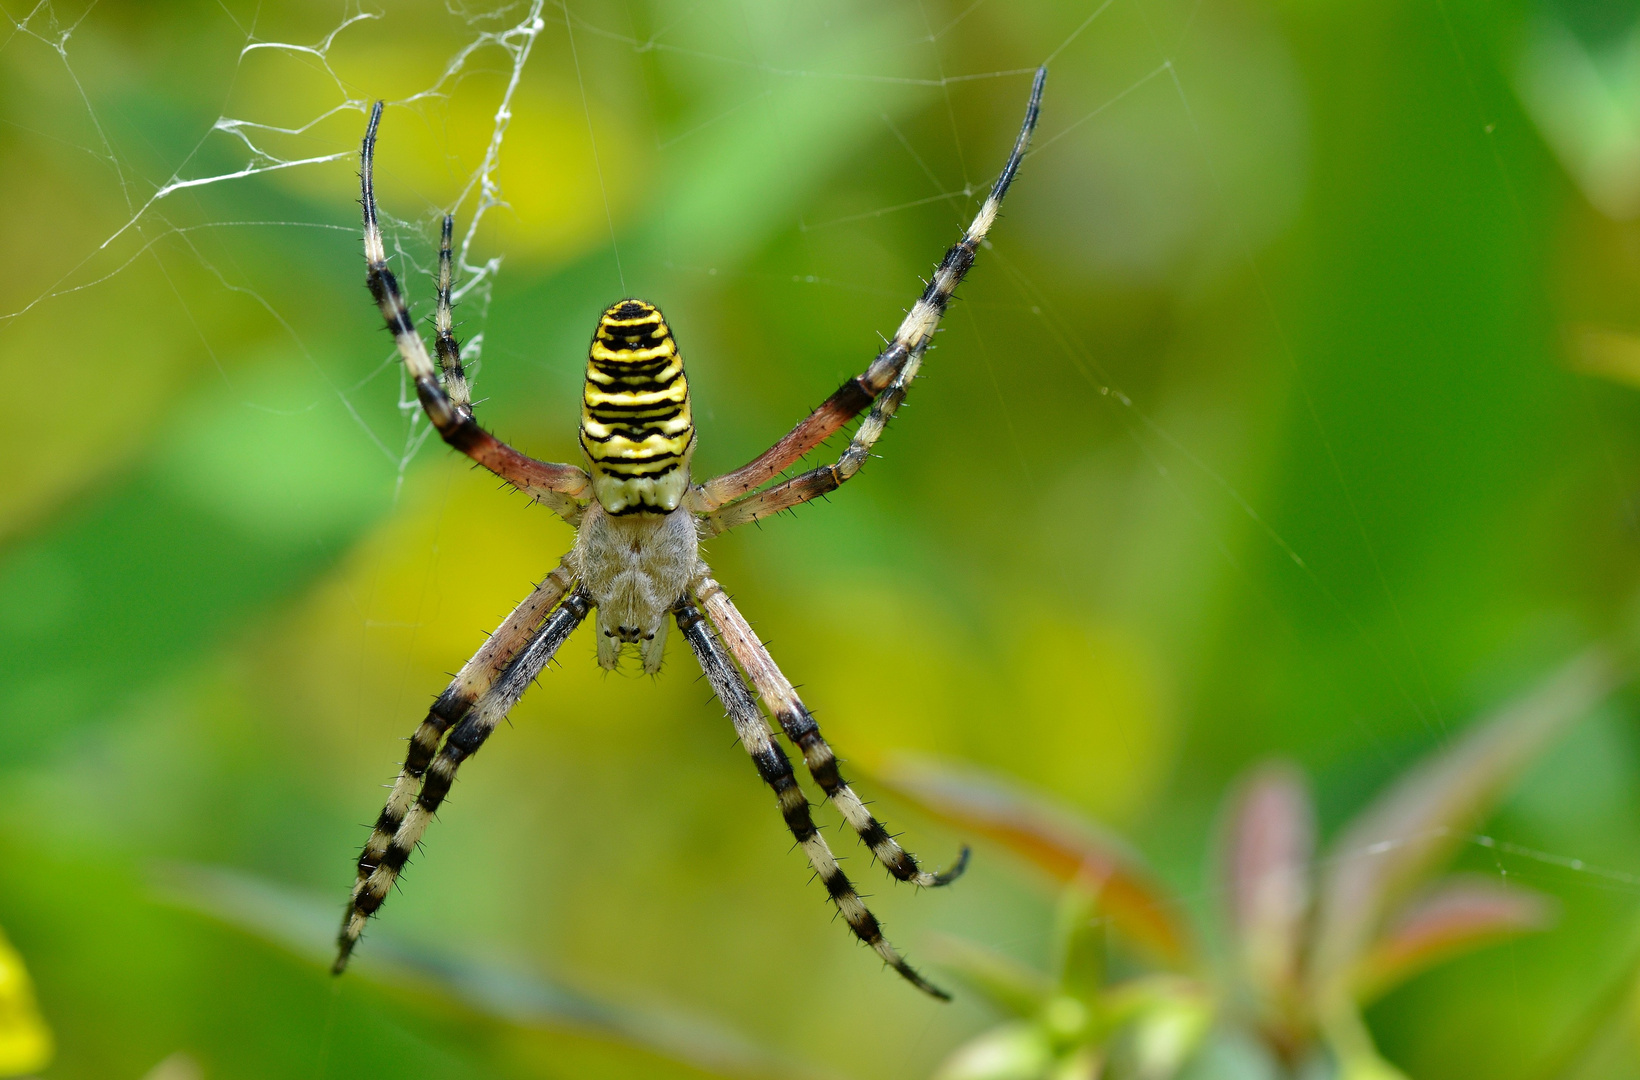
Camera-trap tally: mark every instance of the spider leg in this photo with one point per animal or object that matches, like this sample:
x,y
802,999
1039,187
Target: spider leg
x,y
475,679
484,692
781,699
900,358
827,478
776,770
449,352
450,411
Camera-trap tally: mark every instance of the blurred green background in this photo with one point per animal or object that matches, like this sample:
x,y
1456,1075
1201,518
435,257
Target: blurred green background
x,y
1258,432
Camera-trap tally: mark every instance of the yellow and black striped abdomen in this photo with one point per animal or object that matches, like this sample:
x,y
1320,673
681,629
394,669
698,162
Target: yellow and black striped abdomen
x,y
635,423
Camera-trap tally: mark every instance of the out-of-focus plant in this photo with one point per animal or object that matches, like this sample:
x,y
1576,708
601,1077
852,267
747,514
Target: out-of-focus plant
x,y
25,1041
1581,93
518,998
1308,942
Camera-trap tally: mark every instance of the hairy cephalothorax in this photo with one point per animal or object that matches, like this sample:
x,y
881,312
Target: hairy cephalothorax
x,y
636,562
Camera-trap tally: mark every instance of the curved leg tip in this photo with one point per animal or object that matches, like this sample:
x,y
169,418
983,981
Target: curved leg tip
x,y
955,870
910,975
346,942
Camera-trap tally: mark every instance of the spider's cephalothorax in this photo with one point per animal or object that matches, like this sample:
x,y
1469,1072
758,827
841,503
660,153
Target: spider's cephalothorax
x,y
636,561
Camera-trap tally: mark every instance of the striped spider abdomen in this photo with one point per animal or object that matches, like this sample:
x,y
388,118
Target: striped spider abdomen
x,y
635,424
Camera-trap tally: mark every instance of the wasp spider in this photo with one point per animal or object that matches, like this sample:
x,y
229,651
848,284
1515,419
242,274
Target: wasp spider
x,y
636,561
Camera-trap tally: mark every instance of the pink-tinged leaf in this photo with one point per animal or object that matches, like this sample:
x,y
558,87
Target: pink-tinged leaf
x,y
1413,826
1067,846
1460,914
1269,844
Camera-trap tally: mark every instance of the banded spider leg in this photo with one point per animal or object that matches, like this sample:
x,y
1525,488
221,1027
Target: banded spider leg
x,y
729,500
479,698
448,404
781,700
776,770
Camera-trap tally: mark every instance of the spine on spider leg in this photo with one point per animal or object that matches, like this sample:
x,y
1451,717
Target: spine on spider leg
x,y
636,426
377,875
776,770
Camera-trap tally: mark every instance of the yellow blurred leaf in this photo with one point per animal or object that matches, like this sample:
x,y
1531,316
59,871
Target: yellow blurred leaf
x,y
1606,354
25,1041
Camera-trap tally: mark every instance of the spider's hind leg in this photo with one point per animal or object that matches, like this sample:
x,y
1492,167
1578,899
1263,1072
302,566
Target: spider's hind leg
x,y
776,770
781,699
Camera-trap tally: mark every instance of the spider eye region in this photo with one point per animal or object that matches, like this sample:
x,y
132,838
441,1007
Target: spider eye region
x,y
636,427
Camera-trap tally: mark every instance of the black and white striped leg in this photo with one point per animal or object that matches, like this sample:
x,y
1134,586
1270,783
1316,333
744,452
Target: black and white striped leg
x,y
776,770
475,679
781,699
553,485
827,478
449,352
437,772
894,366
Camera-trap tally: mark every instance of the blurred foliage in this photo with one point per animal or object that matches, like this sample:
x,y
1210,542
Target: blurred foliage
x,y
1309,941
25,1041
1264,429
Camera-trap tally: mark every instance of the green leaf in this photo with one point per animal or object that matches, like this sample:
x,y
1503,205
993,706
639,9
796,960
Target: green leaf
x,y
306,926
1018,1051
1605,353
1165,1017
1584,102
1003,981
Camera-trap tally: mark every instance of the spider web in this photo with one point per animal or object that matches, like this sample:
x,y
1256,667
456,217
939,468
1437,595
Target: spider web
x,y
262,146
164,218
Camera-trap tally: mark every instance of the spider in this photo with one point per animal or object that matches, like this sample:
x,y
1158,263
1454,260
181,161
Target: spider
x,y
639,523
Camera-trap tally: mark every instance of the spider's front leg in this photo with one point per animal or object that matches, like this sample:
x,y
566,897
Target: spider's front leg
x,y
776,770
483,692
827,478
447,404
728,500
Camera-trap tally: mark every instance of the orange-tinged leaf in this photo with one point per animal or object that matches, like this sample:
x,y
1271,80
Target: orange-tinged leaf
x,y
1458,915
1067,846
